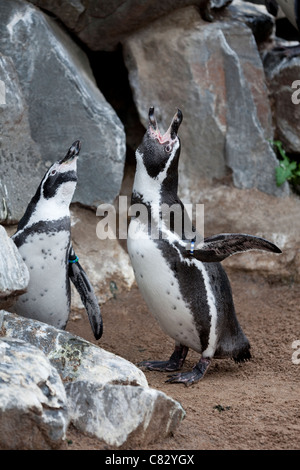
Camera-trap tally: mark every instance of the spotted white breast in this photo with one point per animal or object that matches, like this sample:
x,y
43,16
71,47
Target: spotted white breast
x,y
159,288
47,298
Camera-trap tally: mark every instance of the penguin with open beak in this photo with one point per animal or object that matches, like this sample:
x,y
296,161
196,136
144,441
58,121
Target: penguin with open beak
x,y
179,273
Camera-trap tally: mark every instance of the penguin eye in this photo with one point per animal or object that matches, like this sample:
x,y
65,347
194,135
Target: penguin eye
x,y
53,172
168,148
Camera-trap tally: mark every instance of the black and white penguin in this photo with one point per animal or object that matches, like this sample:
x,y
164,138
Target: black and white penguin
x,y
179,274
43,238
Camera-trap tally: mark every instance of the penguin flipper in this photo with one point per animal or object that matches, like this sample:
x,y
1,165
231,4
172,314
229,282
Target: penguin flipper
x,y
87,294
218,247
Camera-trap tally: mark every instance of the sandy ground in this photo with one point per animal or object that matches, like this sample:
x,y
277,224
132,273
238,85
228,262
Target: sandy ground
x,y
254,405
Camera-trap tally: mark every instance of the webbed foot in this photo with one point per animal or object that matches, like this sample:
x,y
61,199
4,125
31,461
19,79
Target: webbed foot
x,y
192,377
175,362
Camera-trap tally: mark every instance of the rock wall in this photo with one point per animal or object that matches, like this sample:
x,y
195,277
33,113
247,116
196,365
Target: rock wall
x,y
212,70
103,25
214,60
282,73
213,73
62,103
20,159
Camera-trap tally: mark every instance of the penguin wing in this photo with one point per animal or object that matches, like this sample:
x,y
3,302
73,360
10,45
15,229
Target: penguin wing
x,y
86,292
218,247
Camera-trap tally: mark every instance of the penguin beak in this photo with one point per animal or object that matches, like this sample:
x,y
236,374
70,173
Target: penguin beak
x,y
72,152
152,119
171,133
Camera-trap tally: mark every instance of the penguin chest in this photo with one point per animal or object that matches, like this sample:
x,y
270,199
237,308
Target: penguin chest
x,y
161,291
48,294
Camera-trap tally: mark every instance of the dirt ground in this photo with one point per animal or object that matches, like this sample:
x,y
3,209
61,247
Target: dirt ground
x,y
250,406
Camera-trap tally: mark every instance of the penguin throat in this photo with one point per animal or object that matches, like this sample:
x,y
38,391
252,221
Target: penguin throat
x,y
154,191
49,210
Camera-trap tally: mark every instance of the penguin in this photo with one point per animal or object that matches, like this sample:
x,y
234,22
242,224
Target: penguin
x,y
43,238
178,272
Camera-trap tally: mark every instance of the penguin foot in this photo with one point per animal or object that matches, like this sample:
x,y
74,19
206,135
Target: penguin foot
x,y
175,362
192,377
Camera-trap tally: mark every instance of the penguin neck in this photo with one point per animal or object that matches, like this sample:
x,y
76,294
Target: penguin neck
x,y
40,210
51,210
155,191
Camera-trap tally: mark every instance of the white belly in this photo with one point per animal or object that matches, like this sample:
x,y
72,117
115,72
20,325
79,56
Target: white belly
x,y
46,298
160,290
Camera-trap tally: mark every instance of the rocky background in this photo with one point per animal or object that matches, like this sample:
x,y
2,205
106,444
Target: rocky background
x,y
91,72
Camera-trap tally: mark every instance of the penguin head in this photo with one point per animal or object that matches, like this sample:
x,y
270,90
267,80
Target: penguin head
x,y
54,194
158,151
59,182
156,176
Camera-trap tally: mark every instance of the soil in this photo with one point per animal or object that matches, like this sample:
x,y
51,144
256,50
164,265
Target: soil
x,y
249,406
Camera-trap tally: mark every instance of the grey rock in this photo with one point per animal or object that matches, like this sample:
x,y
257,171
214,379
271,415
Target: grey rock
x,y
72,356
282,72
108,397
229,209
33,402
14,275
129,415
20,161
256,17
63,100
103,25
214,74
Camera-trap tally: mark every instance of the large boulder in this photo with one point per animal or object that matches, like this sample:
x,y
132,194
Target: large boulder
x,y
255,16
20,160
283,72
33,401
14,275
103,25
214,74
63,101
108,397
